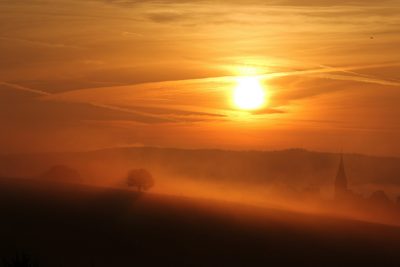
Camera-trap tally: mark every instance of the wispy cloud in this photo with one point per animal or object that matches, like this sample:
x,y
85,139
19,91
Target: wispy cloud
x,y
39,43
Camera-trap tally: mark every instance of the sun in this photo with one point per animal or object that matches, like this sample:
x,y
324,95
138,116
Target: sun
x,y
249,94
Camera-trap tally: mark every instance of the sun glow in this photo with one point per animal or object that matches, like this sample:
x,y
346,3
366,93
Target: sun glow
x,y
249,94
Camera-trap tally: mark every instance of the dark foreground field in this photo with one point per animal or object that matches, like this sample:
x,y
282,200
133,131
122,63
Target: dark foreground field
x,y
69,225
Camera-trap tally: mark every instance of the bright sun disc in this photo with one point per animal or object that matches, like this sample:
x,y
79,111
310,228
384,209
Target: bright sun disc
x,y
249,93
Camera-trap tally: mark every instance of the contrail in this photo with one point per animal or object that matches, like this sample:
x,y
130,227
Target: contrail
x,y
362,79
169,87
25,89
165,118
348,70
39,43
126,110
95,104
321,70
325,72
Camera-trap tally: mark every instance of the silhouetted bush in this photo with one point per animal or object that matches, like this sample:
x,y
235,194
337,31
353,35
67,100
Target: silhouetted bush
x,y
140,178
62,173
20,260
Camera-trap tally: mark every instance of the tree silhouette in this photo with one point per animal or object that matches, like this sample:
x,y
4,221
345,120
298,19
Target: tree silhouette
x,y
62,173
141,179
379,197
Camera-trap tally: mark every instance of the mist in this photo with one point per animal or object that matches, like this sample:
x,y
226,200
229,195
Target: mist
x,y
296,179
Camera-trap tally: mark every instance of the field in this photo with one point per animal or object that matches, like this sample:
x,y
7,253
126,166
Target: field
x,y
78,225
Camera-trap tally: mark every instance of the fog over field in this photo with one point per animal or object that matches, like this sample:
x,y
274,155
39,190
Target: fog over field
x,y
293,179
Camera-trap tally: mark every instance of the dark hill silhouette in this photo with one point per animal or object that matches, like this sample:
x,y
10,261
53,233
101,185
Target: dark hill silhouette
x,y
70,225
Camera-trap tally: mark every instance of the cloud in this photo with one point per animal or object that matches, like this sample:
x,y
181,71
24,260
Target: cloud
x,y
168,16
267,111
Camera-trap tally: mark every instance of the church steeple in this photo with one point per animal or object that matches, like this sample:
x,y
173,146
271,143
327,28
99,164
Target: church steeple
x,y
341,180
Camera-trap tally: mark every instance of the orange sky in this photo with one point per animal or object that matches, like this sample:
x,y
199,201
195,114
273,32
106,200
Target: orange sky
x,y
80,74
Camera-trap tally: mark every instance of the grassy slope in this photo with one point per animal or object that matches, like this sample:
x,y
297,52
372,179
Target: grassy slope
x,y
69,225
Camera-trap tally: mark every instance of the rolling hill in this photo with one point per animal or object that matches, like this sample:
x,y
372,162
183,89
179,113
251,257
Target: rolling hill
x,y
77,225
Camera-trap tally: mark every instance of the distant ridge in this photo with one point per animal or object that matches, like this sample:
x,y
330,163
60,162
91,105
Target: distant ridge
x,y
123,148
295,166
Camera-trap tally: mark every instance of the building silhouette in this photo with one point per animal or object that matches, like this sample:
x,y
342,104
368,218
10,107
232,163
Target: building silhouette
x,y
341,190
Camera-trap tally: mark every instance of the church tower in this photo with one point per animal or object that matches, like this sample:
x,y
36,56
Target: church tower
x,y
341,181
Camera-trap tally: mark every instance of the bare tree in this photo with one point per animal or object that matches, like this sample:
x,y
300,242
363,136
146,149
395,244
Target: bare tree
x,y
141,179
